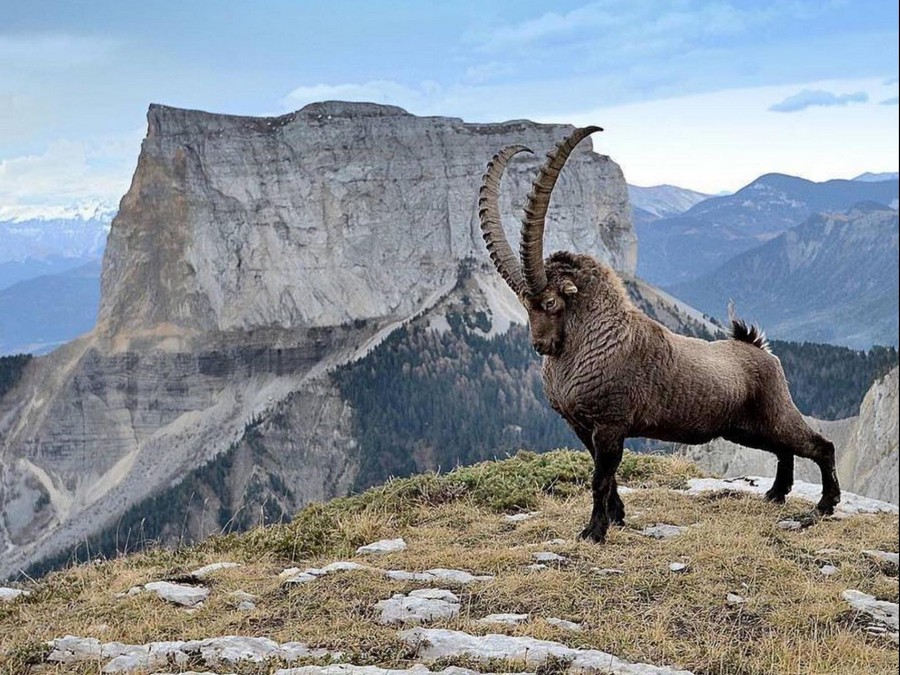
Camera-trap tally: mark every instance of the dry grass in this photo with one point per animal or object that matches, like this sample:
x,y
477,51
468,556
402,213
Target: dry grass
x,y
793,619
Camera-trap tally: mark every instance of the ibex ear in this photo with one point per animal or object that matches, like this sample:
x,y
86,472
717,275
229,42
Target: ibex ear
x,y
568,288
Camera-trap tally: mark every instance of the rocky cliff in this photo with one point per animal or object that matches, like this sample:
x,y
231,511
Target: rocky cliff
x,y
248,258
866,446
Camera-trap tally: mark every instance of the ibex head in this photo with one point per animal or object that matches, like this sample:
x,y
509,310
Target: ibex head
x,y
546,300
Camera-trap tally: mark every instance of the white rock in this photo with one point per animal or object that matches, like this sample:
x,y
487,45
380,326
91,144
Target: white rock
x,y
188,596
434,644
288,572
135,590
879,610
828,570
339,566
457,576
882,556
734,599
402,575
419,606
557,542
508,619
565,625
850,503
519,517
10,594
663,531
235,648
207,570
537,567
383,546
246,606
300,578
348,669
677,567
607,571
547,556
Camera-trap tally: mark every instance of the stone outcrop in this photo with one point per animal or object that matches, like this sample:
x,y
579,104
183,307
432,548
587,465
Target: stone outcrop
x,y
866,448
248,257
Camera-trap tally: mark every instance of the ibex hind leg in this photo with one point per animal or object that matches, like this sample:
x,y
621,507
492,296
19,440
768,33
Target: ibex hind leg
x,y
784,478
802,441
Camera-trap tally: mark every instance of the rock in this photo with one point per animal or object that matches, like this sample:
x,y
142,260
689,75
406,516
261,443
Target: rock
x,y
677,567
419,606
401,575
663,531
789,524
207,570
850,504
188,596
557,542
246,606
547,557
882,556
10,594
519,517
536,567
881,611
734,599
607,571
434,644
300,578
383,546
828,570
508,619
565,625
456,576
348,669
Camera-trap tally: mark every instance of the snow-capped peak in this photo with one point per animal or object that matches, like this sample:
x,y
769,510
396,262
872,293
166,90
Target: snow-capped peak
x,y
94,209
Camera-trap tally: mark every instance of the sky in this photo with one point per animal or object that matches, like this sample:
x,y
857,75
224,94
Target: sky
x,y
703,94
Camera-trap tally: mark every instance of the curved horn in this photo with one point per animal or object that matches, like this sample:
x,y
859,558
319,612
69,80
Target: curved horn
x,y
532,245
489,212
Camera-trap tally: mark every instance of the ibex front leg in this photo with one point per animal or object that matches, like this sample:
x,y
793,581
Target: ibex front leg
x,y
608,445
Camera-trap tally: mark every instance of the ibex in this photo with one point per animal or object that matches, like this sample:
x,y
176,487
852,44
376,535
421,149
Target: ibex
x,y
613,373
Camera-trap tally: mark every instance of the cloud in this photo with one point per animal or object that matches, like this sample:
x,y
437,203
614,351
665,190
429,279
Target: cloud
x,y
67,172
809,98
890,101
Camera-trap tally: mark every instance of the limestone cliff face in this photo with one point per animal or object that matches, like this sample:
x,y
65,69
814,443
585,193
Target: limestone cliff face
x,y
337,212
248,257
866,448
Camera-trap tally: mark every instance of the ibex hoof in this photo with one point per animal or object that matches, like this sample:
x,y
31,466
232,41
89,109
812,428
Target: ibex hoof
x,y
776,497
593,533
826,506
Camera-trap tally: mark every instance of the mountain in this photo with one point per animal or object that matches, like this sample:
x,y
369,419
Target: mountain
x,y
14,271
685,247
866,447
870,177
663,201
832,279
44,312
251,259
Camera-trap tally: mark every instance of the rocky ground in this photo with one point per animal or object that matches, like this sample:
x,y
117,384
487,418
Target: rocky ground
x,y
479,570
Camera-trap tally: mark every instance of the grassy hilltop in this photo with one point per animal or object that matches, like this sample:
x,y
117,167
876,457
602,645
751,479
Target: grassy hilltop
x,y
792,618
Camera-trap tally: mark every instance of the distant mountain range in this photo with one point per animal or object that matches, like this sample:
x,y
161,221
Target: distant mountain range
x,y
870,177
37,241
834,278
680,248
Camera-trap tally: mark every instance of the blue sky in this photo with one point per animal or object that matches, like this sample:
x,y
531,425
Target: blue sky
x,y
706,94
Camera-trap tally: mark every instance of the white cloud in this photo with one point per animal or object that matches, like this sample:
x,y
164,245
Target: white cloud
x,y
724,140
810,98
68,172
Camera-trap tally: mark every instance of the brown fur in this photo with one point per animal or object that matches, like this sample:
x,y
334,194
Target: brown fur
x,y
613,373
